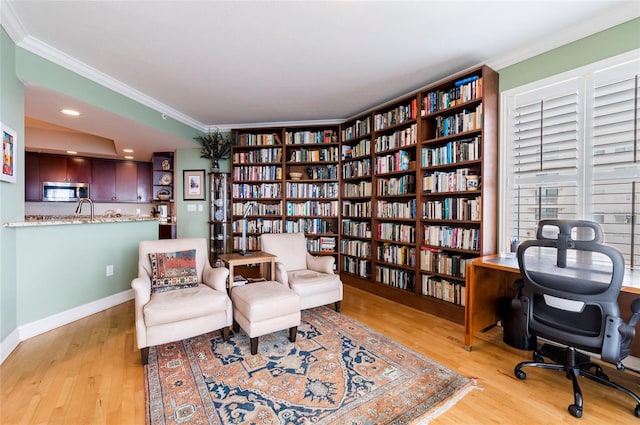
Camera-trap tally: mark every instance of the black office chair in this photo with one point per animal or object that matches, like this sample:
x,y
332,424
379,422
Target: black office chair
x,y
569,297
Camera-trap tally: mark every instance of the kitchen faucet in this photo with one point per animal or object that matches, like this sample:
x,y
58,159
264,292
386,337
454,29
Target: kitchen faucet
x,y
81,201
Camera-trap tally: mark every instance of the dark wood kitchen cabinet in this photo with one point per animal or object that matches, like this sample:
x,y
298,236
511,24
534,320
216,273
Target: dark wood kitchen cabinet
x,y
120,181
53,168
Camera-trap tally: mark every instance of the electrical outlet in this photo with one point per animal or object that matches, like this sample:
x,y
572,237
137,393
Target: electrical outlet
x,y
110,270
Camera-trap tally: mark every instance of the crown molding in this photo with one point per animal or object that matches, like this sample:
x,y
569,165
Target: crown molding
x,y
11,23
626,12
308,123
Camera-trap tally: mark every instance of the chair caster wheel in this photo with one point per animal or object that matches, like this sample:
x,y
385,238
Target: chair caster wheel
x,y
637,411
576,411
519,373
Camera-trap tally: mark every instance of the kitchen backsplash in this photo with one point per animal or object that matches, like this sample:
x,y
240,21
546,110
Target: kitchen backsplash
x,y
69,208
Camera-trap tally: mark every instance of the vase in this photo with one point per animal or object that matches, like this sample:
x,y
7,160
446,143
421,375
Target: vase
x,y
215,166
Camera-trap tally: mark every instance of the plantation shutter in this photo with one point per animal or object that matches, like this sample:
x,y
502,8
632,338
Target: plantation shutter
x,y
545,133
615,183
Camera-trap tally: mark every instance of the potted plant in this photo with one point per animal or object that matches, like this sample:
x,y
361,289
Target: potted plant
x,y
215,146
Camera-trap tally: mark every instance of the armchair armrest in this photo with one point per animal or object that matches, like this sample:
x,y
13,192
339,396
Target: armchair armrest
x,y
141,286
281,274
320,263
216,278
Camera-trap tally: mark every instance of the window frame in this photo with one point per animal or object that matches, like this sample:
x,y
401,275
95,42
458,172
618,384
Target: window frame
x,y
585,76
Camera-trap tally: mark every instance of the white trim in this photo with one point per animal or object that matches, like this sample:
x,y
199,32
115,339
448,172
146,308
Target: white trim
x,y
46,324
9,344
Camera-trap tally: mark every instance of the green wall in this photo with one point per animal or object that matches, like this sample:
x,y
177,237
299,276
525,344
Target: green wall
x,y
11,194
62,267
605,44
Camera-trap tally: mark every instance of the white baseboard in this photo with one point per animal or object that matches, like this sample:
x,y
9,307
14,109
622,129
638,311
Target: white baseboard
x,y
8,345
41,326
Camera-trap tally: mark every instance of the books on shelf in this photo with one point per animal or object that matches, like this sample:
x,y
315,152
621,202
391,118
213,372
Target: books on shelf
x,y
239,280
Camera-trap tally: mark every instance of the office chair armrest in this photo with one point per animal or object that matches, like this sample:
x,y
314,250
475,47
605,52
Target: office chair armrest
x,y
628,330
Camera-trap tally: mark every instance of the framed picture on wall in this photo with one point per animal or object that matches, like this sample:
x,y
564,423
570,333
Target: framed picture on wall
x,y
194,185
9,169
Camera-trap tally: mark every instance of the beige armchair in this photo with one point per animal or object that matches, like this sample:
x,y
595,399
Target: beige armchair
x,y
177,293
311,277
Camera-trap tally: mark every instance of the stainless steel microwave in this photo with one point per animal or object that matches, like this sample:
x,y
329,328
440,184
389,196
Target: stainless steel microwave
x,y
64,191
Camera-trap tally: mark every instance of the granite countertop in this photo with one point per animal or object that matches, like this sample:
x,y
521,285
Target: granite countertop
x,y
52,220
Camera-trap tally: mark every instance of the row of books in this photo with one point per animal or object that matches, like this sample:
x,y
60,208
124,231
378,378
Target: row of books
x,y
399,232
257,190
398,139
452,153
258,155
355,248
360,209
259,225
314,155
259,208
357,129
398,115
249,139
324,172
463,91
360,229
400,255
314,226
256,172
360,189
434,260
358,168
403,185
357,266
397,161
308,208
253,243
322,244
446,181
443,289
398,278
453,209
310,137
459,123
452,237
363,148
386,209
312,190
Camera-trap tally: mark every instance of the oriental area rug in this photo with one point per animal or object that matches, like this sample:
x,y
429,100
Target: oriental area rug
x,y
337,372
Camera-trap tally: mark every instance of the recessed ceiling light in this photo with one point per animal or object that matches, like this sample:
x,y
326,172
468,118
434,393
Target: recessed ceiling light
x,y
72,152
128,157
127,150
70,112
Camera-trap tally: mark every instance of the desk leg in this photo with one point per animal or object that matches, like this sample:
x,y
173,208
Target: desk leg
x,y
468,311
230,277
272,268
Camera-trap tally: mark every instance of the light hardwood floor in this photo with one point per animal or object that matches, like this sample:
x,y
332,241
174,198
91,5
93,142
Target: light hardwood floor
x,y
89,372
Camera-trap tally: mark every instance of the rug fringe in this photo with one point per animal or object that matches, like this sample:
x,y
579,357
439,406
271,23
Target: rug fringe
x,y
433,414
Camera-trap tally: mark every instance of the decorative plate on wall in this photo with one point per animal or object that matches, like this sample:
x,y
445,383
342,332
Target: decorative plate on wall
x,y
166,165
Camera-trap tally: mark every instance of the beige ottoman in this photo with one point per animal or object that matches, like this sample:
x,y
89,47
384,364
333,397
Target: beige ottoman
x,y
264,307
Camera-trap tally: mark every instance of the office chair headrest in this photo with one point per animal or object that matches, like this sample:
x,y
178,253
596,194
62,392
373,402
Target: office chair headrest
x,y
564,239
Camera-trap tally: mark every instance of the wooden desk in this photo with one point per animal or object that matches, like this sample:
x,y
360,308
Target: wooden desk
x,y
259,257
490,278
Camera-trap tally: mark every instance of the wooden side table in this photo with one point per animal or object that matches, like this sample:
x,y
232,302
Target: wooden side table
x,y
259,257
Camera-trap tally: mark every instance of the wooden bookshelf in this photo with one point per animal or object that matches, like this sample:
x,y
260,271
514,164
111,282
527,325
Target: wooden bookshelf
x,y
408,191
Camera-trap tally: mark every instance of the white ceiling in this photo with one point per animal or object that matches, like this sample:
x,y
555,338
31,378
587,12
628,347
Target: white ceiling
x,y
232,64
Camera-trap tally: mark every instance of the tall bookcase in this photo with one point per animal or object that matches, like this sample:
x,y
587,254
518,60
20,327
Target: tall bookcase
x,y
408,192
257,188
312,159
219,215
356,191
